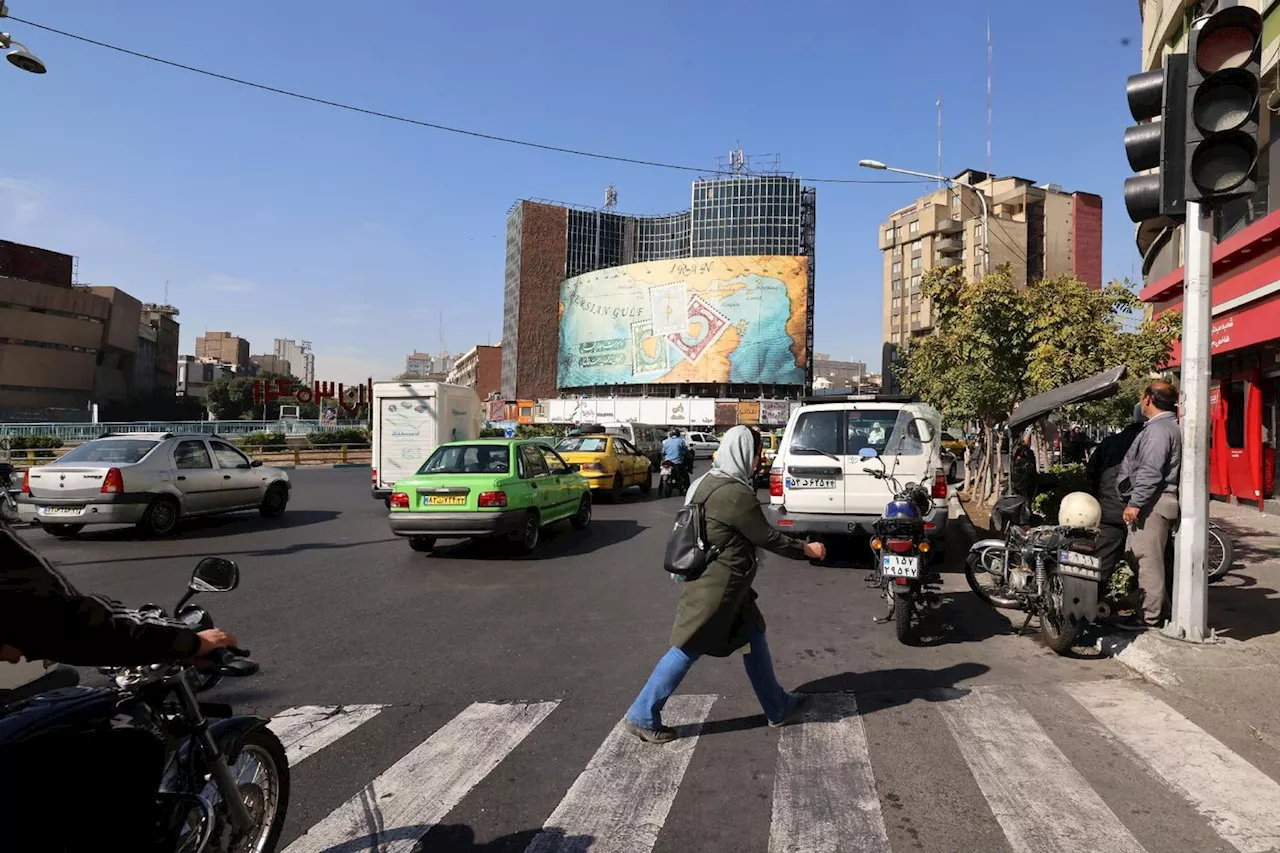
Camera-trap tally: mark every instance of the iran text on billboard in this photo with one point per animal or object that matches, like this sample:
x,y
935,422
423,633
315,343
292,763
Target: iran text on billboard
x,y
701,320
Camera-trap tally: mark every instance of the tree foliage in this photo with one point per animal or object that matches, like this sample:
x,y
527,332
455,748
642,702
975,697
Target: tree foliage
x,y
232,400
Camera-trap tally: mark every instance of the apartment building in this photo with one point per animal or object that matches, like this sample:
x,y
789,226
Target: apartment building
x,y
422,365
302,361
271,364
480,368
1039,230
222,348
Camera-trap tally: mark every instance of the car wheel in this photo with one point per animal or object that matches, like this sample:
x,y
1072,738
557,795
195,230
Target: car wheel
x,y
62,529
161,517
274,502
582,517
526,540
646,485
615,493
422,544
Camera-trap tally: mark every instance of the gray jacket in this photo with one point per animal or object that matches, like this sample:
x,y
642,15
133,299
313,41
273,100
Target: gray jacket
x,y
1154,462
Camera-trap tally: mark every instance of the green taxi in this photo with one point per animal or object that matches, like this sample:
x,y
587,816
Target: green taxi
x,y
489,488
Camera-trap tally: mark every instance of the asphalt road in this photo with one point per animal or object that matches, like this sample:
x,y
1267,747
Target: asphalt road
x,y
477,694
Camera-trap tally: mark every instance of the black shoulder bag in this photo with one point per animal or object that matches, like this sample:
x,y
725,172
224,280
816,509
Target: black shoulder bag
x,y
688,552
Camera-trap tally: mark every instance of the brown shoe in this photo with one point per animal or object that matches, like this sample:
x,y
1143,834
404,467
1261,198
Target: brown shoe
x,y
662,734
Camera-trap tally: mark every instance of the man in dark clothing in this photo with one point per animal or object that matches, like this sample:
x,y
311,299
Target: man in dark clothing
x,y
1103,470
107,780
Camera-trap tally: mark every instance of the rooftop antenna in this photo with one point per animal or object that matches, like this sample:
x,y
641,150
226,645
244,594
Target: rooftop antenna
x,y
940,140
166,291
610,197
988,96
738,160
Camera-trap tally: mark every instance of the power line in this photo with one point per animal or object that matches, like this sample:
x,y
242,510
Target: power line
x,y
418,122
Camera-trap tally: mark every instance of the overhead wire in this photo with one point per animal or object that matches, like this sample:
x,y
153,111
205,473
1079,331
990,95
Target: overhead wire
x,y
417,122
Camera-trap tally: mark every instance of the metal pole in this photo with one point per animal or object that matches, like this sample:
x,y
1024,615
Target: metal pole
x,y
1190,583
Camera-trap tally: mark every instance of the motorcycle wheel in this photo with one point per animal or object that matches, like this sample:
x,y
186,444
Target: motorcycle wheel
x,y
1060,632
261,771
973,571
1220,556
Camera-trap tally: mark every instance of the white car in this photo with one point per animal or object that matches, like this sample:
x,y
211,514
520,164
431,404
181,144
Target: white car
x,y
702,444
149,479
818,483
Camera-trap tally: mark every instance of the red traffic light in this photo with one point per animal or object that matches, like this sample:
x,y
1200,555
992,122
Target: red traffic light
x,y
1230,39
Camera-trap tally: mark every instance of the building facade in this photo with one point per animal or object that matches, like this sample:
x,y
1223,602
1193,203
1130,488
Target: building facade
x,y
1245,331
838,373
222,348
422,365
547,243
64,346
271,364
480,368
302,361
1039,230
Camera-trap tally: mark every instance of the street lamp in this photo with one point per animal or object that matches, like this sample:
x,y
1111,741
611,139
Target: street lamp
x,y
982,198
18,54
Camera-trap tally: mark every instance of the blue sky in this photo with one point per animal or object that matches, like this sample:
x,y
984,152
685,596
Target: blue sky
x,y
273,217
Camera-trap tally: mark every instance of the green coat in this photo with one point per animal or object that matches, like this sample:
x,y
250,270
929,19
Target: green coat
x,y
718,610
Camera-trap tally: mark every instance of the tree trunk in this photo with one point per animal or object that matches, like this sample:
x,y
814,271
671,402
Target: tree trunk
x,y
999,469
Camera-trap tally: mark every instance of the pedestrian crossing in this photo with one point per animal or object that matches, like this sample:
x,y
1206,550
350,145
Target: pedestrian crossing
x,y
1012,742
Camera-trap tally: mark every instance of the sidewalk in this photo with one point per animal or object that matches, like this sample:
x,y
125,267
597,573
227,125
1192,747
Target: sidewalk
x,y
1239,677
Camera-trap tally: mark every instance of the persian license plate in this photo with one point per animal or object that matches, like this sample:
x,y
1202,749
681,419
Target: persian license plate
x,y
809,483
446,500
61,510
897,566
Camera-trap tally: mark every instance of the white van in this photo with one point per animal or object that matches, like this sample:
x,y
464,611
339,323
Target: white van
x,y
643,437
411,419
819,485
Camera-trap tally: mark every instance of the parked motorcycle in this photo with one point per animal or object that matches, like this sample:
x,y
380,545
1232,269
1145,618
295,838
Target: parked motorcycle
x,y
9,501
903,571
226,779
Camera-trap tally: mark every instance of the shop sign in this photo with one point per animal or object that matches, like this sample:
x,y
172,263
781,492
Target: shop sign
x,y
350,398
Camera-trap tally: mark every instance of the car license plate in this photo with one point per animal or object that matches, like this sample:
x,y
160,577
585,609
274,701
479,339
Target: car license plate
x,y
446,500
809,483
896,566
61,510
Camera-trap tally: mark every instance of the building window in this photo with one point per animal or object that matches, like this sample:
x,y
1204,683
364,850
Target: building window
x,y
915,247
897,302
897,267
915,263
888,235
913,227
977,270
915,282
897,285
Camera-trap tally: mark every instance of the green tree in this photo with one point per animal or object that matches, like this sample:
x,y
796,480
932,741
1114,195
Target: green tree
x,y
232,399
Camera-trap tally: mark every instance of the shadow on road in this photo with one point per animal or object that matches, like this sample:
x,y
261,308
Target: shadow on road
x,y
283,551
460,838
558,540
885,688
208,527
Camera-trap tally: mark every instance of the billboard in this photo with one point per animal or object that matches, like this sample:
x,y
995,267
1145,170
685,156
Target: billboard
x,y
702,320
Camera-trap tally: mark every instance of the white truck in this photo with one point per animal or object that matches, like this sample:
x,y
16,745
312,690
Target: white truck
x,y
410,420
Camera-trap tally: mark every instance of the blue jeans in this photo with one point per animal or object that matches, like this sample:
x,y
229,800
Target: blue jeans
x,y
646,711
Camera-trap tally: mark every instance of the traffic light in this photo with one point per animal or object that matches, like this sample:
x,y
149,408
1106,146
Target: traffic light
x,y
1222,107
1159,144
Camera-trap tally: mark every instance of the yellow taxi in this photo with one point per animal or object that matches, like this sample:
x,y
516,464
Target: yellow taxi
x,y
610,463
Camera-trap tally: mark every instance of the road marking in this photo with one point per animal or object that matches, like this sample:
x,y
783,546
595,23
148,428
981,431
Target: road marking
x,y
824,790
1040,800
1241,803
619,803
307,729
395,810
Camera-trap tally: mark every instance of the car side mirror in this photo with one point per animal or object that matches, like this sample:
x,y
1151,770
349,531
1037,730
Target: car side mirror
x,y
215,574
257,463
575,467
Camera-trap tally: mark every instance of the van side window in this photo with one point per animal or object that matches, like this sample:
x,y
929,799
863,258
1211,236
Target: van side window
x,y
819,433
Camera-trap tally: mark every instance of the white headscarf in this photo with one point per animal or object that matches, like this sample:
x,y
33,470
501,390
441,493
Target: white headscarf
x,y
735,460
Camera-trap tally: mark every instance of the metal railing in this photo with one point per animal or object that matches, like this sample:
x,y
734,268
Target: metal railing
x,y
86,431
316,454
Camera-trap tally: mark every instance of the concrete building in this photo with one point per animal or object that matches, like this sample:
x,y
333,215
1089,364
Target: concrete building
x,y
195,376
271,364
1245,330
422,365
300,358
1040,230
66,346
222,348
741,214
838,373
480,368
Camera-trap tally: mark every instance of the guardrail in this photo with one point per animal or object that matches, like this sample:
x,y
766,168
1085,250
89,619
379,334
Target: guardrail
x,y
322,454
86,431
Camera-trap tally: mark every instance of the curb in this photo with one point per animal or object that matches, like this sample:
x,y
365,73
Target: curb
x,y
1137,655
323,467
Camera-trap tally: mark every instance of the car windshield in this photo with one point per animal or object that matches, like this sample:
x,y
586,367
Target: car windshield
x,y
582,445
469,459
117,451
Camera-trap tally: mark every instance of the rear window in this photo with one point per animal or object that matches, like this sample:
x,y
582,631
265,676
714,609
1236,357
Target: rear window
x,y
469,459
117,451
845,432
582,445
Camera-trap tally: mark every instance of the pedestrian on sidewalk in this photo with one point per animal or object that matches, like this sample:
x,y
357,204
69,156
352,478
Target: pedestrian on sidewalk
x,y
717,614
1103,472
1149,482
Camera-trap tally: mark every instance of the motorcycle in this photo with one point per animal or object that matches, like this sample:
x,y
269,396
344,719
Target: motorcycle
x,y
903,571
673,479
225,785
9,503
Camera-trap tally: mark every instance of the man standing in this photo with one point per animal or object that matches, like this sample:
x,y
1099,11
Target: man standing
x,y
1103,472
1149,482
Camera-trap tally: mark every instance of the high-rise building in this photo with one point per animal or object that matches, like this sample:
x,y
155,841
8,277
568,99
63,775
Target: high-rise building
x,y
480,368
743,216
222,348
1039,230
301,360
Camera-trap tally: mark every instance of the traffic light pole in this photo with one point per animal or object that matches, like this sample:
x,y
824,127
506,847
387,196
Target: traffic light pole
x,y
1190,582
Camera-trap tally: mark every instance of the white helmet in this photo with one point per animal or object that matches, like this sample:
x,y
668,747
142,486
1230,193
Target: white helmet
x,y
1080,509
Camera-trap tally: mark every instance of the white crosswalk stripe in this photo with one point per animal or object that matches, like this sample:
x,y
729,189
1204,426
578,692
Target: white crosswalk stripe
x,y
825,792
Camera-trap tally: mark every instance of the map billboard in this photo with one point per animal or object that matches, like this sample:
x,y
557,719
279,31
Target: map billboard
x,y
702,320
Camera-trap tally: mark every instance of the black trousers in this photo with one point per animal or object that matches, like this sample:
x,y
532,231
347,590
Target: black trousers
x,y
1111,545
80,792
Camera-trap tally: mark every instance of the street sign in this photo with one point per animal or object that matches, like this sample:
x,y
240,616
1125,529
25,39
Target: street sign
x,y
510,432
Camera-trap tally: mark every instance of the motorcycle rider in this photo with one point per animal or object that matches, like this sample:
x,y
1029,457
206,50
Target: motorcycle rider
x,y
676,451
72,791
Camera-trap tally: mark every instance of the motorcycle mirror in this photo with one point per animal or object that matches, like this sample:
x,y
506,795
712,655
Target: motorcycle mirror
x,y
215,574
868,453
924,429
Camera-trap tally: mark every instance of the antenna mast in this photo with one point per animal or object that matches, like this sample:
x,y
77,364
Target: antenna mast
x,y
988,95
939,138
